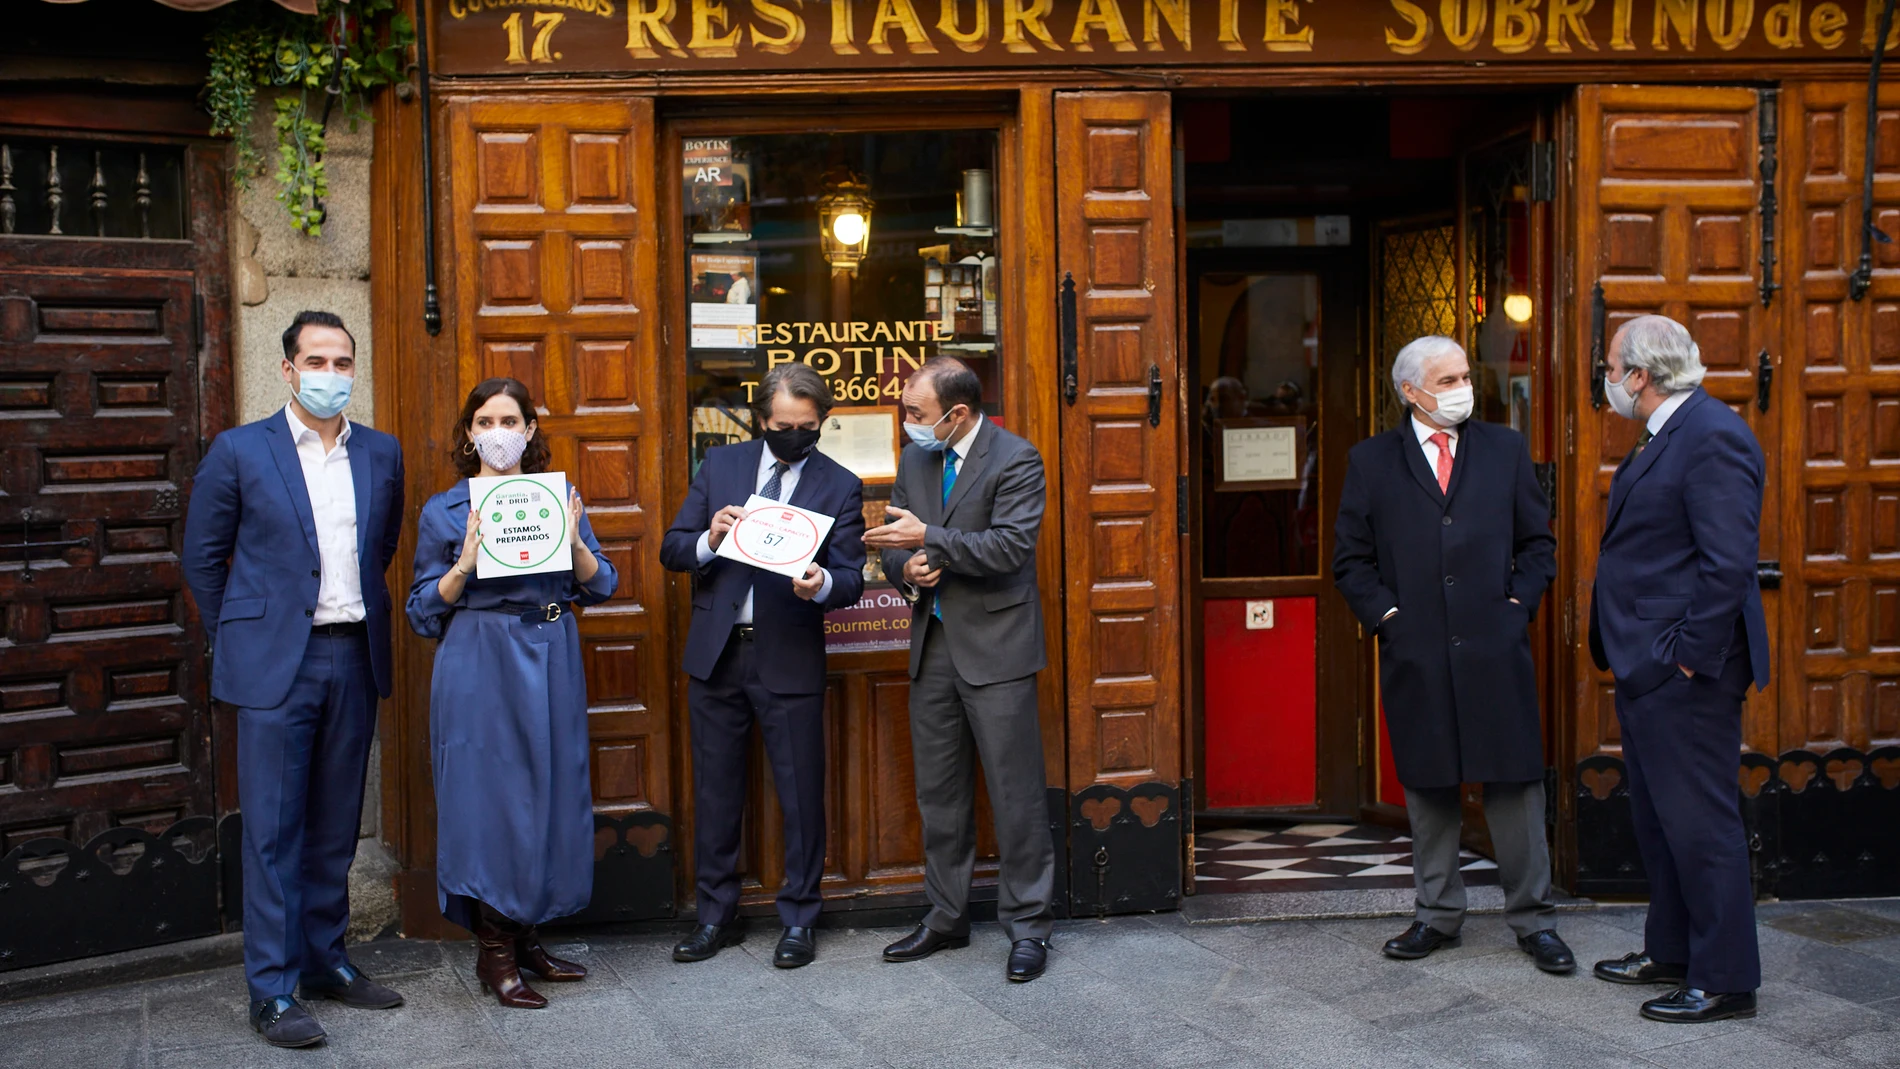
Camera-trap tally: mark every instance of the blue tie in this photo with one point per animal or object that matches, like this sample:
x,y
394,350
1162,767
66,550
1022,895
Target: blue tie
x,y
779,468
949,484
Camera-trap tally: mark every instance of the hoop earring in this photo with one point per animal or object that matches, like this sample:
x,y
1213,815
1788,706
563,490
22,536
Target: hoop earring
x,y
468,449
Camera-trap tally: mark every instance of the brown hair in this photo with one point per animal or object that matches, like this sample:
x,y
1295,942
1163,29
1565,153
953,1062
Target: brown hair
x,y
462,450
797,381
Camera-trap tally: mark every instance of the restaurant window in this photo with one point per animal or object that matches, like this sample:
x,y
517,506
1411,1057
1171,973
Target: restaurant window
x,y
1261,333
861,255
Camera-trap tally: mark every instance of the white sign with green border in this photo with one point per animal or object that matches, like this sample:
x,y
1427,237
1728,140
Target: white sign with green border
x,y
524,524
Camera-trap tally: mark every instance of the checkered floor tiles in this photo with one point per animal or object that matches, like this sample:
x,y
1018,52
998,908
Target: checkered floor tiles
x,y
1313,857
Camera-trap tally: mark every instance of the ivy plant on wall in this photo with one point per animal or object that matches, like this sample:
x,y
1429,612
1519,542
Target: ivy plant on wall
x,y
336,57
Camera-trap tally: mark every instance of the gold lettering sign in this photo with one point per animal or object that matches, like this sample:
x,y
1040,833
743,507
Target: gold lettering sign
x,y
633,36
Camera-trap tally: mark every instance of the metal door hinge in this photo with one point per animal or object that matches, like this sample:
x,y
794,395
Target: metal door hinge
x,y
1546,473
1768,574
1543,171
1768,106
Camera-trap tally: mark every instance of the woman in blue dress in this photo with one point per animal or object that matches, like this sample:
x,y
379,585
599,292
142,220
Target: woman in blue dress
x,y
507,710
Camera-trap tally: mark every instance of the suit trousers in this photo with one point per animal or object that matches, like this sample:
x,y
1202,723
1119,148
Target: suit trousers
x,y
722,709
952,724
1515,814
301,766
1679,746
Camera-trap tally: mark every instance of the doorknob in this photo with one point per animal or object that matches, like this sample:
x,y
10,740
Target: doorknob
x,y
1154,395
1768,574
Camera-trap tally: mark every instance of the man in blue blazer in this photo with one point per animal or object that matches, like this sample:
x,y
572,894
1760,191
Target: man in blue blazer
x,y
1676,617
292,523
756,653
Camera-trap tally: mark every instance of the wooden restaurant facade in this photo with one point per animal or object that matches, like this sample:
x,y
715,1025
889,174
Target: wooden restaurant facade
x,y
1180,241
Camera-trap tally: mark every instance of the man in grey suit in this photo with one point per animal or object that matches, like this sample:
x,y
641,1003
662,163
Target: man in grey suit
x,y
961,539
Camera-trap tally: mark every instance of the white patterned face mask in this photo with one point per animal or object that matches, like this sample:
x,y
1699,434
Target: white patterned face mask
x,y
500,448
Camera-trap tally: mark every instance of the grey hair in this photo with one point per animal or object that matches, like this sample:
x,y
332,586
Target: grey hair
x,y
1409,365
1662,347
794,380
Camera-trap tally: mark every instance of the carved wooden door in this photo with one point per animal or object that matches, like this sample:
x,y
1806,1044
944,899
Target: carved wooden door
x,y
1120,465
1838,386
557,242
1668,220
108,788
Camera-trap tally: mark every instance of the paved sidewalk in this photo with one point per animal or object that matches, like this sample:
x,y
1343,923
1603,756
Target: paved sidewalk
x,y
1127,993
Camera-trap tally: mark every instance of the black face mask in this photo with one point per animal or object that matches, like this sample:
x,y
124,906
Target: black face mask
x,y
792,444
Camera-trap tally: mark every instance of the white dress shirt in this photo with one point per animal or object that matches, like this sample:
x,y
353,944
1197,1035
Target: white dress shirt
x,y
332,491
787,483
1660,417
1424,428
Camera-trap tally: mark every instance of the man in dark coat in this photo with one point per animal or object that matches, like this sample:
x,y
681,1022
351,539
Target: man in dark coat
x,y
755,654
1676,616
1443,548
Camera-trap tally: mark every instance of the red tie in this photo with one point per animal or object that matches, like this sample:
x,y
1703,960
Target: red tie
x,y
1443,442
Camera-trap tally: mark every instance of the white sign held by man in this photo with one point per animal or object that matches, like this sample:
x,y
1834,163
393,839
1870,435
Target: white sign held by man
x,y
524,524
775,537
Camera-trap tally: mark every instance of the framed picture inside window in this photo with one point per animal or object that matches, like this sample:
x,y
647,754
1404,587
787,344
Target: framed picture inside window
x,y
863,438
1259,453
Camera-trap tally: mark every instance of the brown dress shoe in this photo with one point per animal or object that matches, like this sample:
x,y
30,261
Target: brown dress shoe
x,y
495,965
532,956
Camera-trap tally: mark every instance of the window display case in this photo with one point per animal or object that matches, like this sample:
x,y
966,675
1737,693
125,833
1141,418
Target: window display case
x,y
861,255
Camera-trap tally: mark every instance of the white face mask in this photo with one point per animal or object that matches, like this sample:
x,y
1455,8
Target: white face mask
x,y
500,448
1622,402
1454,405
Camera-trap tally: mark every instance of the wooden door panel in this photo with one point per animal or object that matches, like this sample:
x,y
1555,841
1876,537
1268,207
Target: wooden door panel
x,y
558,280
1668,222
1120,547
103,718
1839,676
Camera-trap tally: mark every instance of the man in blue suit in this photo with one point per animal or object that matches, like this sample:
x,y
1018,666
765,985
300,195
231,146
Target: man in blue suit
x,y
756,653
1676,617
292,523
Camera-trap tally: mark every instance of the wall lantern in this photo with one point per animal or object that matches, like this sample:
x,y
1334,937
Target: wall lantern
x,y
1517,308
844,221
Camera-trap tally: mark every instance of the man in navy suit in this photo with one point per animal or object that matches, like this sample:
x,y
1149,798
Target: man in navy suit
x,y
756,653
1676,617
292,523
1443,550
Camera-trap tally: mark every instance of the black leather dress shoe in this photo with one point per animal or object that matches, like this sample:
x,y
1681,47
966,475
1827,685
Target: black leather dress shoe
x,y
1548,951
1640,969
283,1023
349,986
1027,959
1418,941
797,947
707,940
1690,1005
922,943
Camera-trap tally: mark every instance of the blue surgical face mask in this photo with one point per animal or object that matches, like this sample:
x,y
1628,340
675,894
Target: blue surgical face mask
x,y
323,393
925,438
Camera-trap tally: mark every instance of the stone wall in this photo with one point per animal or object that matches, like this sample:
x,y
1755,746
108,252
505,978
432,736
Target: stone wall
x,y
277,273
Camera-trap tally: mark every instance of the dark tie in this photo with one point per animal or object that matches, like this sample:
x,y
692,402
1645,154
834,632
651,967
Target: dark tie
x,y
1642,440
772,487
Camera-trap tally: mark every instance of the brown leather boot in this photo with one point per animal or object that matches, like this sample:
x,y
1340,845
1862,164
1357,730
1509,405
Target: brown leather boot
x,y
495,961
532,956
